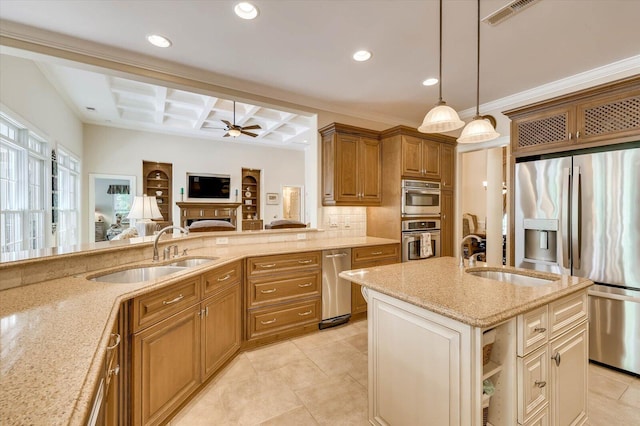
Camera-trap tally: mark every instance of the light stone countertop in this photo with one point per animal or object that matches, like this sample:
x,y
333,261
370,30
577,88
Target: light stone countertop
x,y
53,334
441,286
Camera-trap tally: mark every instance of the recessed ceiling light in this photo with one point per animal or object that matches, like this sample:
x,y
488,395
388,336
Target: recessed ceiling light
x,y
430,82
246,10
158,40
362,55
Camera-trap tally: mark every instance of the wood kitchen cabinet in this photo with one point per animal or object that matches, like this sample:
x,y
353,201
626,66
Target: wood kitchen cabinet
x,y
283,295
446,223
351,166
420,158
183,334
367,257
448,166
605,114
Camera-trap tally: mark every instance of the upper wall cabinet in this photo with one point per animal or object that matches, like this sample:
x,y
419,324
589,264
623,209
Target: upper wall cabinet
x,y
605,114
420,158
351,166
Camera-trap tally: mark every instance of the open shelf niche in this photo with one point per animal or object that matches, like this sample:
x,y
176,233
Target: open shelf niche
x,y
250,190
157,182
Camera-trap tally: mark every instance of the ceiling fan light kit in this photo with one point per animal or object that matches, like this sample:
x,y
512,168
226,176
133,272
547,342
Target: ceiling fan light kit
x,y
441,118
235,130
479,129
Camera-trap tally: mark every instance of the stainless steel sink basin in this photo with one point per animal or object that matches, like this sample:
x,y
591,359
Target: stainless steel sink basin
x,y
511,277
136,275
196,261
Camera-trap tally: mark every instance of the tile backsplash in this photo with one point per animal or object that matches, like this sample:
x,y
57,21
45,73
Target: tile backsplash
x,y
344,221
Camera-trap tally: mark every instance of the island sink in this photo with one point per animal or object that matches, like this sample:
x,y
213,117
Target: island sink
x,y
510,277
135,275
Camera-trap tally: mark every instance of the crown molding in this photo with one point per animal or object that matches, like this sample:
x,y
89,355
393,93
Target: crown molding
x,y
610,72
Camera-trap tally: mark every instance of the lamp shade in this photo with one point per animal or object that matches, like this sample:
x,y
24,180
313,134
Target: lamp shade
x,y
118,189
441,118
478,130
145,207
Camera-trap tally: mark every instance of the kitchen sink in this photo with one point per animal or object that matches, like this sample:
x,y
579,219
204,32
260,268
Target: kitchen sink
x,y
511,277
136,275
196,261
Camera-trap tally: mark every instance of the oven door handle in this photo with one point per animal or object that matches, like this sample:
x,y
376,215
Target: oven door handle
x,y
421,191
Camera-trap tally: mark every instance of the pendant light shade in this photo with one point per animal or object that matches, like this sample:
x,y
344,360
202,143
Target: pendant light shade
x,y
441,118
480,129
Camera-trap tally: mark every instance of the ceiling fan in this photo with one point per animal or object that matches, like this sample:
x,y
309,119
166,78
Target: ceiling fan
x,y
233,129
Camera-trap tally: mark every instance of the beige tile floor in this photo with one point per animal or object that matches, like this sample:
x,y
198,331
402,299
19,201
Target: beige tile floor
x,y
321,379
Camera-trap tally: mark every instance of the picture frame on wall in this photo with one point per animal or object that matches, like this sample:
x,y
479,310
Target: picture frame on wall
x,y
273,198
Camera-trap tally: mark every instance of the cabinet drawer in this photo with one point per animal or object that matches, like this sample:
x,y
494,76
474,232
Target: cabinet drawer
x,y
274,289
283,317
533,392
372,253
532,330
283,262
567,312
214,280
151,308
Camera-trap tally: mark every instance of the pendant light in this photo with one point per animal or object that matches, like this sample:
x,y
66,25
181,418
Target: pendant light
x,y
481,128
441,118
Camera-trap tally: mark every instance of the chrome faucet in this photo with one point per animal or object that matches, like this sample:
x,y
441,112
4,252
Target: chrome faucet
x,y
474,258
162,231
478,239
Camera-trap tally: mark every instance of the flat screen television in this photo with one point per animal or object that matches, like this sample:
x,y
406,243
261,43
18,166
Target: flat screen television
x,y
201,185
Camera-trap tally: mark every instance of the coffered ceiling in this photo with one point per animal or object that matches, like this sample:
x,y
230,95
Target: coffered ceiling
x,y
299,52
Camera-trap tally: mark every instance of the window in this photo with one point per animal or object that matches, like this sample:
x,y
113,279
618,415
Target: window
x,y
23,186
68,203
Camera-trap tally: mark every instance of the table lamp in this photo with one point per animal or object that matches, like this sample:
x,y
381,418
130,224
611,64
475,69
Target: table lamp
x,y
143,210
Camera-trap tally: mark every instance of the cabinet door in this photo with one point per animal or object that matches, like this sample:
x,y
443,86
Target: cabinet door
x,y
533,372
446,225
431,159
346,163
370,171
412,156
609,117
539,131
358,302
447,167
166,366
569,365
221,328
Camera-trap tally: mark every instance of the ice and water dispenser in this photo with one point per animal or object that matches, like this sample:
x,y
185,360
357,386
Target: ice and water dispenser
x,y
540,240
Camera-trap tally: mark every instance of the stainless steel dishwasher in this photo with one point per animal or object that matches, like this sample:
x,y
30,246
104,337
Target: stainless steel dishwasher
x,y
336,291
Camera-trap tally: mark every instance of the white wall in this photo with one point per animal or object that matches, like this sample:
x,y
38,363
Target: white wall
x,y
110,150
26,92
474,171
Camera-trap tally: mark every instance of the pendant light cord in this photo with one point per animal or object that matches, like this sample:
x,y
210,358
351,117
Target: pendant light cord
x,y
478,67
440,59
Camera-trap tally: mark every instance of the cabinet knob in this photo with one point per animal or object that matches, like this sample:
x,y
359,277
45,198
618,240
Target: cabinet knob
x,y
556,358
115,371
578,135
539,329
540,384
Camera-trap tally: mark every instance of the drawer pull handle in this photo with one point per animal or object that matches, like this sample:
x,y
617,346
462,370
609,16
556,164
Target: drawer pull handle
x,y
226,277
375,253
540,384
170,302
304,314
303,262
539,329
115,345
556,358
268,265
305,285
268,322
273,290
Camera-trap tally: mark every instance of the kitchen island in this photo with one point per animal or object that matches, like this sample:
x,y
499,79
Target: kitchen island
x,y
427,361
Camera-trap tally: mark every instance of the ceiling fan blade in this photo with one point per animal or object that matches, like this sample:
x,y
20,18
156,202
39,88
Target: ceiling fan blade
x,y
253,135
212,128
255,126
227,123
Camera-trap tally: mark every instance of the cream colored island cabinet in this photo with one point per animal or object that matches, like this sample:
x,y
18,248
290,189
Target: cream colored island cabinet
x,y
429,350
423,365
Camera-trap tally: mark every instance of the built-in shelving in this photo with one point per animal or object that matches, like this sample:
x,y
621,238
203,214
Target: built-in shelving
x,y
251,200
157,182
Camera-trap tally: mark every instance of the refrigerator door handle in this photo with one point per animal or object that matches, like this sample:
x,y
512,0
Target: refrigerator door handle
x,y
576,218
564,219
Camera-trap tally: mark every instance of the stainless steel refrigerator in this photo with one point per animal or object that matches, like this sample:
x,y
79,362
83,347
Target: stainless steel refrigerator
x,y
579,214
